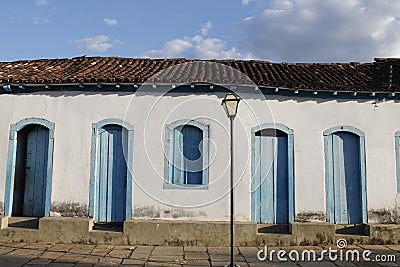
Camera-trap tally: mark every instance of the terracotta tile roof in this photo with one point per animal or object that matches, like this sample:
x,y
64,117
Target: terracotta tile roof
x,y
381,75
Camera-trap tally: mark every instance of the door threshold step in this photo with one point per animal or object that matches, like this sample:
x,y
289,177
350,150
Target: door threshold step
x,y
24,222
109,227
280,229
356,229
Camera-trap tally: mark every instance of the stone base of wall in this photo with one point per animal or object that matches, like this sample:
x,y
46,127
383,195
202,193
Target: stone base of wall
x,y
190,233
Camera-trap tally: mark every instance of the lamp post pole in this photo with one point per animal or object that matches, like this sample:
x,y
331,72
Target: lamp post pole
x,y
230,104
232,198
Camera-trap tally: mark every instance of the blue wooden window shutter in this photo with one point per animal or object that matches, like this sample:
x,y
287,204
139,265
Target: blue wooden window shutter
x,y
186,155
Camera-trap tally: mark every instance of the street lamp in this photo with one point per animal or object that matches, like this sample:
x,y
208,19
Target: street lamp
x,y
230,104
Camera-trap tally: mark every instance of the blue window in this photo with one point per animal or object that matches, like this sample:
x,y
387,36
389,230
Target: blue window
x,y
186,155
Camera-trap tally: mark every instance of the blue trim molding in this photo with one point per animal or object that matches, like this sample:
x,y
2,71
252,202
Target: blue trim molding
x,y
291,182
11,162
96,128
397,148
329,170
168,145
344,128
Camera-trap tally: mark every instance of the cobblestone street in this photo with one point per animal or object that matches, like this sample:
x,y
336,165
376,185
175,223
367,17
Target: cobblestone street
x,y
41,254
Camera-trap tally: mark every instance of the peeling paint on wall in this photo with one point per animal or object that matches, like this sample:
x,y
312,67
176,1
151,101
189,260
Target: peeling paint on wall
x,y
146,212
383,216
69,209
310,217
152,212
182,213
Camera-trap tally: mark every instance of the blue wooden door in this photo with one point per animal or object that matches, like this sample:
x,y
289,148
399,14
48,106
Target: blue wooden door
x,y
270,180
188,161
36,172
112,175
346,178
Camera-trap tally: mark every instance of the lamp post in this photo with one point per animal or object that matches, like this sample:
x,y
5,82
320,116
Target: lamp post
x,y
230,104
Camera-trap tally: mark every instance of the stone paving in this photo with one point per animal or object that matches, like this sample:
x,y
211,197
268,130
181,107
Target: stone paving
x,y
42,254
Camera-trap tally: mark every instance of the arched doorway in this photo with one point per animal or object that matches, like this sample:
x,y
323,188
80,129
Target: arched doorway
x,y
272,175
345,175
29,170
111,178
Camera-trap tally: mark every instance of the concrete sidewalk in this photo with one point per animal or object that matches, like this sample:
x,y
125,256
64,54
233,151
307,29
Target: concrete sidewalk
x,y
42,254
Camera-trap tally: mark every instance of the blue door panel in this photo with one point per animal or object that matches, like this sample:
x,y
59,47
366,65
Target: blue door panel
x,y
340,210
267,180
112,175
119,184
36,172
191,140
102,181
346,178
282,196
270,180
256,182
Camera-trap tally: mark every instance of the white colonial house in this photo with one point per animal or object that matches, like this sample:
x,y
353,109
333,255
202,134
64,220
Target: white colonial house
x,y
114,140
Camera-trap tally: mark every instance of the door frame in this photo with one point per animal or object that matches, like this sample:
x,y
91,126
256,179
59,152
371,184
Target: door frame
x,y
94,165
290,136
397,149
11,161
330,212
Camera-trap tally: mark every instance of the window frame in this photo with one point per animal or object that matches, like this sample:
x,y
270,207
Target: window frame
x,y
168,150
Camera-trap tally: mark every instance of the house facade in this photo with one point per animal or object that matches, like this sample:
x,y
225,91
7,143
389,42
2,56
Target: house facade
x,y
115,140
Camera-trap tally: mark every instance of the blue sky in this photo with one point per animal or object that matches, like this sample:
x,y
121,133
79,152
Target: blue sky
x,y
276,30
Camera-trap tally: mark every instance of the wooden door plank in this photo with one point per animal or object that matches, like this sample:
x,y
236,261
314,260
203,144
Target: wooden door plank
x,y
329,165
282,194
119,189
337,155
40,172
30,173
256,181
116,190
110,173
352,184
267,180
342,179
103,166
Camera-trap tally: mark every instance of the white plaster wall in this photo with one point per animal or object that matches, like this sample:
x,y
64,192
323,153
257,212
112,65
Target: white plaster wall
x,y
73,113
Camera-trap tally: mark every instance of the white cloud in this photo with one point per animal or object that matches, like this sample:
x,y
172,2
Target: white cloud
x,y
111,22
94,44
171,49
323,31
40,21
41,2
205,27
197,47
245,2
214,48
119,42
